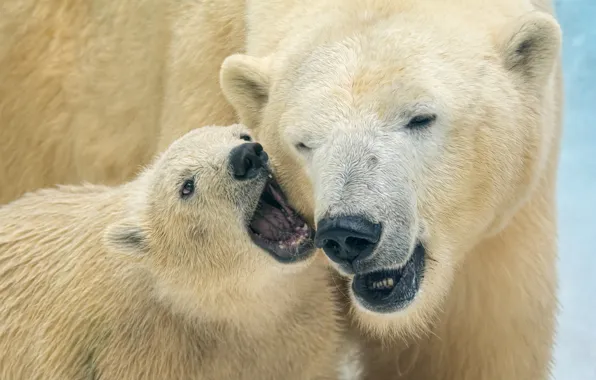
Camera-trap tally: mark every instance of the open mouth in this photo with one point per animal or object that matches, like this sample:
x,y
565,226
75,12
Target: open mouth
x,y
388,291
278,229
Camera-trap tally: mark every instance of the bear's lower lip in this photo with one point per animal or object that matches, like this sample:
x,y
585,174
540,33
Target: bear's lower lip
x,y
278,229
391,290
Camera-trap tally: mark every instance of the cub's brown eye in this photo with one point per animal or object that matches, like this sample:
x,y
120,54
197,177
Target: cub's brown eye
x,y
245,137
421,121
188,188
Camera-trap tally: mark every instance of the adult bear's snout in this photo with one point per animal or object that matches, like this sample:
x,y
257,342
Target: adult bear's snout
x,y
347,239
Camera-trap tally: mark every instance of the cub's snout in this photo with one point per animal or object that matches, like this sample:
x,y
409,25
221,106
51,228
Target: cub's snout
x,y
247,161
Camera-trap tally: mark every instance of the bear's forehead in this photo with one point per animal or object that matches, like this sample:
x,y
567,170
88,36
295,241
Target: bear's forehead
x,y
366,63
359,76
398,43
197,156
206,138
363,90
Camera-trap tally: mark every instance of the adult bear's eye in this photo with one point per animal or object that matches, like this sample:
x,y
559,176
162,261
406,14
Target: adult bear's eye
x,y
245,137
421,121
188,188
302,147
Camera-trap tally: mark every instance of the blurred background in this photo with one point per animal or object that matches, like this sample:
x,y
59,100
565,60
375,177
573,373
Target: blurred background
x,y
575,352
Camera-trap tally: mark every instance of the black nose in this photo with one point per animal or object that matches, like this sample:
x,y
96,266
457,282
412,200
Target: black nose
x,y
348,238
247,160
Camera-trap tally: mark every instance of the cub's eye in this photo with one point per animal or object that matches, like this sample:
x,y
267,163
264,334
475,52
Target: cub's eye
x,y
188,188
302,147
421,121
245,137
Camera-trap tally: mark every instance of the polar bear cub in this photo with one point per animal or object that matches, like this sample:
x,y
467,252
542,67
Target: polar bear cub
x,y
196,269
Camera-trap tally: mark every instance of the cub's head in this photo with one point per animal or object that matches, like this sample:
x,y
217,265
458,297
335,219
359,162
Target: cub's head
x,y
407,139
212,225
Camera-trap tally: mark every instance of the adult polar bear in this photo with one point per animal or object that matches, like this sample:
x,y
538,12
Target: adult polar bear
x,y
428,133
85,88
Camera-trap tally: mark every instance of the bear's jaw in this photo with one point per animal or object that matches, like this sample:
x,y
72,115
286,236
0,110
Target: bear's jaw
x,y
391,290
278,229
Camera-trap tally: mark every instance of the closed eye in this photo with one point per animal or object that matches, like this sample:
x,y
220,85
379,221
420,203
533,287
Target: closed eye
x,y
421,121
301,147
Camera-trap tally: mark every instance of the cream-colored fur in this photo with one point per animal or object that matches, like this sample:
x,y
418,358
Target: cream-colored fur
x,y
84,86
332,89
134,282
78,101
490,314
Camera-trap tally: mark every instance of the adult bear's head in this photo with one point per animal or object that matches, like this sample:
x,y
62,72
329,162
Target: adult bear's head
x,y
407,140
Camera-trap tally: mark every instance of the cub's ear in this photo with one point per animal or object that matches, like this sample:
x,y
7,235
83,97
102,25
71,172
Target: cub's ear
x,y
127,237
244,81
531,46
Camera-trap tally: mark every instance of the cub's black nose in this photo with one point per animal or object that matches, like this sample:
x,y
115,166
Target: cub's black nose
x,y
348,238
247,160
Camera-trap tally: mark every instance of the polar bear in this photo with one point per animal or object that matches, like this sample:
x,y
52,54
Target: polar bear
x,y
131,77
422,137
197,269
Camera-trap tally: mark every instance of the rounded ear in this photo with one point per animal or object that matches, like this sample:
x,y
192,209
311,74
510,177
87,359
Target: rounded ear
x,y
127,237
244,81
531,46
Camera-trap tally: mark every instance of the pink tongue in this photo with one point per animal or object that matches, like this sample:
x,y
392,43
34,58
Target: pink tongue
x,y
276,217
265,229
271,223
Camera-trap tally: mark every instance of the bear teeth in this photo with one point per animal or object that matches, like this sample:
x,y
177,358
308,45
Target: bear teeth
x,y
386,283
301,229
297,241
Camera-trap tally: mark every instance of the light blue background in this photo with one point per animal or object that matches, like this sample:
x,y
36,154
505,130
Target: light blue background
x,y
575,353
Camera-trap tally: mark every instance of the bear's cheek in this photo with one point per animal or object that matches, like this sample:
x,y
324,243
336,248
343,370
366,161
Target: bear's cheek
x,y
454,215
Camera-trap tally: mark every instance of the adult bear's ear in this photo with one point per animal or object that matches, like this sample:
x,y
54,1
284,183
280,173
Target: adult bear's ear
x,y
245,83
531,46
126,236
